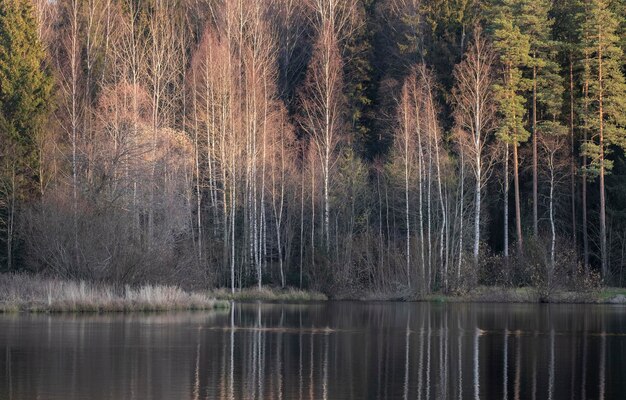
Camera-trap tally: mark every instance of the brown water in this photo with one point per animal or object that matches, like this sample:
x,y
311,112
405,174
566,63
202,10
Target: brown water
x,y
335,350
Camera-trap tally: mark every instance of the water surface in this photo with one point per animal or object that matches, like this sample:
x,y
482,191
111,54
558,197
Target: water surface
x,y
333,350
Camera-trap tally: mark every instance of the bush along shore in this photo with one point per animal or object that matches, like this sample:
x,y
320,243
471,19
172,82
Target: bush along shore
x,y
29,293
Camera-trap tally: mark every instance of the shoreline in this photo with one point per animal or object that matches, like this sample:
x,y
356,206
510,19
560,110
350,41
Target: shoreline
x,y
483,294
524,295
24,293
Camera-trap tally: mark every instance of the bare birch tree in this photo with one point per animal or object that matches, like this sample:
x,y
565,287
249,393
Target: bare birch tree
x,y
323,108
474,113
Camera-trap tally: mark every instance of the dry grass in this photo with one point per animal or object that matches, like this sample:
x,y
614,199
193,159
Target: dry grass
x,y
21,292
497,294
268,294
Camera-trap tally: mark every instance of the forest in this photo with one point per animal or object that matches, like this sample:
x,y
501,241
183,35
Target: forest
x,y
344,146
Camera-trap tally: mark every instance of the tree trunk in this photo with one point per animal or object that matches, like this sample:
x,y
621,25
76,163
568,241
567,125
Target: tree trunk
x,y
442,243
278,213
584,211
572,149
232,228
312,245
477,206
197,171
429,219
406,201
11,220
462,203
518,216
506,202
552,225
535,197
381,260
74,66
603,249
420,163
301,225
327,200
584,182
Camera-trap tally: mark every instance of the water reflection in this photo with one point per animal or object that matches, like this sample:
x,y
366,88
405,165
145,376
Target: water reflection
x,y
320,351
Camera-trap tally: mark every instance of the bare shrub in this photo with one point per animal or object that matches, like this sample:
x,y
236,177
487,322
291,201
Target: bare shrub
x,y
467,277
494,270
553,278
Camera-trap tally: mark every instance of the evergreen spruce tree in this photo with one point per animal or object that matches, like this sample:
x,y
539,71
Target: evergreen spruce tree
x,y
25,87
359,79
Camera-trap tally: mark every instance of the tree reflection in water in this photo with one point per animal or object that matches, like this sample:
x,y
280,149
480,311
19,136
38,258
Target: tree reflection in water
x,y
329,350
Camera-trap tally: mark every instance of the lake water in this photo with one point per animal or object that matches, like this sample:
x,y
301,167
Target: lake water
x,y
333,350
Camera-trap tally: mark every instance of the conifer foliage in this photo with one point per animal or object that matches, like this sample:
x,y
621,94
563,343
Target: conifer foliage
x,y
25,87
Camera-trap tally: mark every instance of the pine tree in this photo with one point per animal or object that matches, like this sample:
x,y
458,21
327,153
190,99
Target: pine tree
x,y
547,89
513,47
567,16
25,87
604,117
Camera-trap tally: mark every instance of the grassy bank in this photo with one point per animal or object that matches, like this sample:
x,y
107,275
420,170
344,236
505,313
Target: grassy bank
x,y
32,293
485,294
267,294
21,292
480,294
532,295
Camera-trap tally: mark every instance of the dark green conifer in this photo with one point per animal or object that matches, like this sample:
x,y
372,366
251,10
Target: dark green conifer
x,y
25,88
